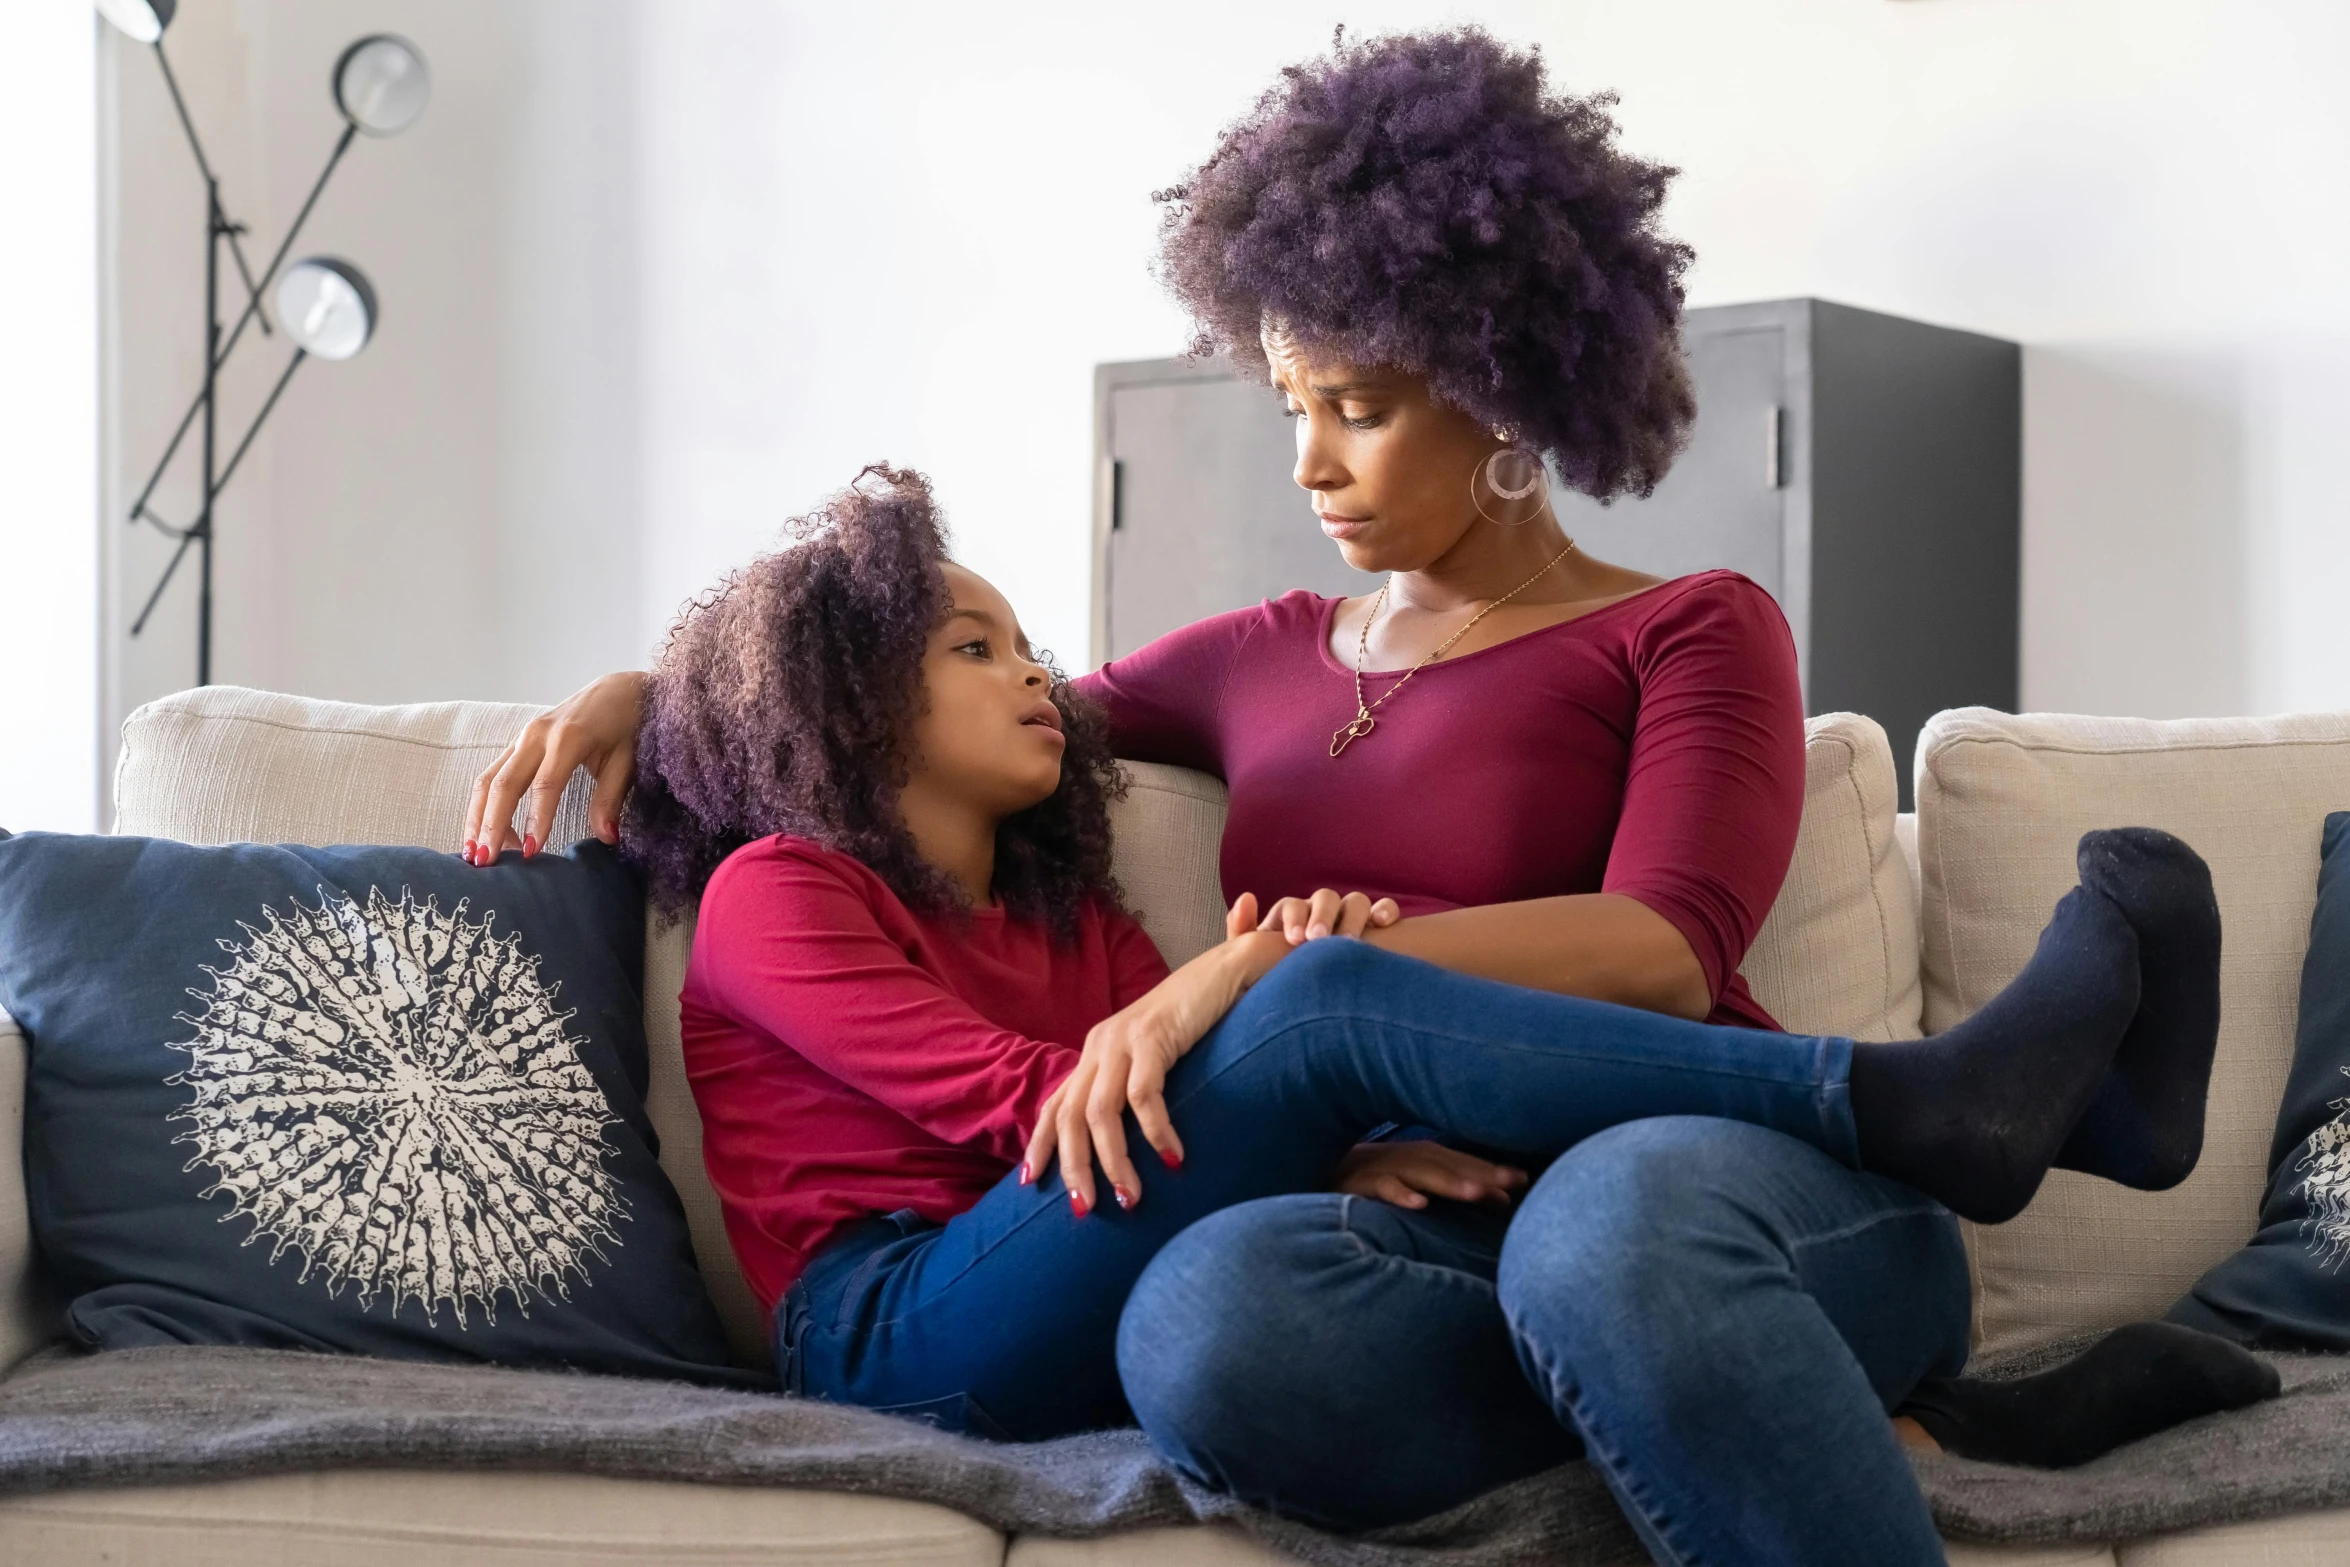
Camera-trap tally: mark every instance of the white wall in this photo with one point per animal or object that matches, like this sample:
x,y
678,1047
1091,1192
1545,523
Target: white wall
x,y
455,511
656,278
49,632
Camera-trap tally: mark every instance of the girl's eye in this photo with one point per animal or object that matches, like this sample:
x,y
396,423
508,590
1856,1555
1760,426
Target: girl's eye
x,y
977,646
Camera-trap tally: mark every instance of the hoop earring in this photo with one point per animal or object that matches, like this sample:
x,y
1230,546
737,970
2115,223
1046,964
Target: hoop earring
x,y
1522,461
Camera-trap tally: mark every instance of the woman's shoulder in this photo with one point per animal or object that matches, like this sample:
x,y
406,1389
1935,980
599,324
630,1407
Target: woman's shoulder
x,y
1717,602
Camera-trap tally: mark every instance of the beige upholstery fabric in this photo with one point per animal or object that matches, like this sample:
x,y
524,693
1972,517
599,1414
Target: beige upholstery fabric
x,y
23,1326
2001,803
1839,953
227,765
2310,1540
669,1103
1229,1548
390,1518
1167,831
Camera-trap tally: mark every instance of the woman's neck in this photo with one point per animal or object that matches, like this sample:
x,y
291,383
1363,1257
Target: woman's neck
x,y
1487,562
954,835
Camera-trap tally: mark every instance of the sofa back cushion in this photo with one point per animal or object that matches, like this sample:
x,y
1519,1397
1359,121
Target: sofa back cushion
x,y
1839,952
2002,801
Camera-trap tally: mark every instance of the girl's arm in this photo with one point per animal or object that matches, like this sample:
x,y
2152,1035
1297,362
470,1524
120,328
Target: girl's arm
x,y
1127,1055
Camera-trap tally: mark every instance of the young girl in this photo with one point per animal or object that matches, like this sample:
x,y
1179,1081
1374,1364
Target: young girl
x,y
954,1103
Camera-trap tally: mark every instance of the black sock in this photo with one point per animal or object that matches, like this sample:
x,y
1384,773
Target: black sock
x,y
2133,1382
1974,1115
2145,1127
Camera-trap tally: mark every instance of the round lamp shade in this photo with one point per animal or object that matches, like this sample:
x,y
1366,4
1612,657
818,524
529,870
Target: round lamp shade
x,y
142,20
327,307
381,84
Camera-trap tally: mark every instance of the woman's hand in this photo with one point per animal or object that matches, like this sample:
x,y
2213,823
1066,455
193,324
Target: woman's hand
x,y
1408,1174
1126,1060
595,728
1328,913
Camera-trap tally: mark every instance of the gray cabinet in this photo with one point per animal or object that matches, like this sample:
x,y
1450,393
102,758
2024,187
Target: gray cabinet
x,y
1863,468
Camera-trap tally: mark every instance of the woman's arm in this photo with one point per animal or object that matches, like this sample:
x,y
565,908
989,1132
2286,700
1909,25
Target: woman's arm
x,y
1600,945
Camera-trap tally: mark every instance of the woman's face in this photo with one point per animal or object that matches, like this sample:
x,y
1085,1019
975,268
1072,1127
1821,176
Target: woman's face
x,y
989,734
1387,467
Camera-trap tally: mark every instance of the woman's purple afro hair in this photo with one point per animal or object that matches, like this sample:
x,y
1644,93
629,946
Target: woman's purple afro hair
x,y
784,702
1425,204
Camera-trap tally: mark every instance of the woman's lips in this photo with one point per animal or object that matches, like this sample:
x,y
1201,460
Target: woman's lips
x,y
1342,527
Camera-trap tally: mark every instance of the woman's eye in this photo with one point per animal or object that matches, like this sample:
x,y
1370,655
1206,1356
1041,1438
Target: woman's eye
x,y
1363,421
1292,411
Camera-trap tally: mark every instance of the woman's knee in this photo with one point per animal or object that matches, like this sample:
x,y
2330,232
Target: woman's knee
x,y
1215,1318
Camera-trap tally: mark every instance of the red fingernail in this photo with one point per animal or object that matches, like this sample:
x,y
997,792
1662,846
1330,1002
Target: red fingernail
x,y
1173,1161
1125,1197
1026,1175
530,845
1077,1201
469,848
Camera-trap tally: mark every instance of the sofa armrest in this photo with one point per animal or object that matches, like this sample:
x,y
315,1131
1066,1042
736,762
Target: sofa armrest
x,y
24,1324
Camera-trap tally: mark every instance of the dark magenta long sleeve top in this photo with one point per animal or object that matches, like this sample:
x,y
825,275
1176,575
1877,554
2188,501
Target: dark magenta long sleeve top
x,y
1652,748
851,1057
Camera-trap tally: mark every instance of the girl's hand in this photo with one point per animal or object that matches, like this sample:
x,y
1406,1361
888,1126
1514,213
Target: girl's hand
x,y
1408,1174
1126,1060
1327,913
595,728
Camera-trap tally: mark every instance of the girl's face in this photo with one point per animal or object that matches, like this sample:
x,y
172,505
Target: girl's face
x,y
1388,468
988,735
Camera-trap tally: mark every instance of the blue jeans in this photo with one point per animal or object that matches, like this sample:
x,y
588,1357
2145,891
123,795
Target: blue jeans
x,y
1005,1319
1717,1315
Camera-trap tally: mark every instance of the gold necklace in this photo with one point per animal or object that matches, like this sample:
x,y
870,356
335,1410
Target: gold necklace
x,y
1363,723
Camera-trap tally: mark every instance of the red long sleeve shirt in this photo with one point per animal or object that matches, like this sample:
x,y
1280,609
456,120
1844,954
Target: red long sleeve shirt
x,y
1653,748
850,1057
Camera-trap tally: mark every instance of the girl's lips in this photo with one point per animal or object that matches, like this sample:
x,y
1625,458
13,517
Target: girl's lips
x,y
1044,716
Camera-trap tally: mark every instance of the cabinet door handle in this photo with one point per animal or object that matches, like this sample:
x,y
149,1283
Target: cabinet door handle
x,y
1772,419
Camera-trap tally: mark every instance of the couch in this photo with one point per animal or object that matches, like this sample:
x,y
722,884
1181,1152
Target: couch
x,y
1889,926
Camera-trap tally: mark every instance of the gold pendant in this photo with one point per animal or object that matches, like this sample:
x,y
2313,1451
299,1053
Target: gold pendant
x,y
1355,728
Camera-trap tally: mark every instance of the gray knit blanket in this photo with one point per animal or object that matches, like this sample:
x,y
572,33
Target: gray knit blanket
x,y
153,1416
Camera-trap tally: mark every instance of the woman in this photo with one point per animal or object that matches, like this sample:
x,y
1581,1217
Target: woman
x,y
1571,779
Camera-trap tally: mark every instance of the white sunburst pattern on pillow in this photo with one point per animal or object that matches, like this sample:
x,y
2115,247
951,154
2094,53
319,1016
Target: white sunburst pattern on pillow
x,y
2325,1186
389,1091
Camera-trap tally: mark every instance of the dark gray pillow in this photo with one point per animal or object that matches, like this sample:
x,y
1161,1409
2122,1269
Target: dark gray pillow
x,y
2290,1288
369,1100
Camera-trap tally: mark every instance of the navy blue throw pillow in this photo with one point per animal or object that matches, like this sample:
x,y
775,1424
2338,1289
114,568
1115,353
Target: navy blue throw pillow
x,y
2290,1288
367,1100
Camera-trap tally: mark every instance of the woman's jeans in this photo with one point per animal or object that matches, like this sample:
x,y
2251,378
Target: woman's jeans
x,y
1717,1304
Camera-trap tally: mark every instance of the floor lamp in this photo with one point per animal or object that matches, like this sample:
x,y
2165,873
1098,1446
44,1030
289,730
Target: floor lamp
x,y
326,305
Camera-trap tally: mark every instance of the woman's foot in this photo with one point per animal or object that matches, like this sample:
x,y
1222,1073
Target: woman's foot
x,y
2135,1381
1975,1115
2145,1127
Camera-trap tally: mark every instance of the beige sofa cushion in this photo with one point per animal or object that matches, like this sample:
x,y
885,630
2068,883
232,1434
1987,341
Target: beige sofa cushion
x,y
1839,952
2305,1540
394,1518
2002,801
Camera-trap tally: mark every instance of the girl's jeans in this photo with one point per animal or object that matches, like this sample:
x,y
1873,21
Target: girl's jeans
x,y
1700,1287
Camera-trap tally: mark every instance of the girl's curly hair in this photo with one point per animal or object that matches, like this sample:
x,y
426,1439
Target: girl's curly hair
x,y
1424,202
784,702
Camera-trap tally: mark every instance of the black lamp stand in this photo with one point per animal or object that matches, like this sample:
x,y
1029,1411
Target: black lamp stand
x,y
218,229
